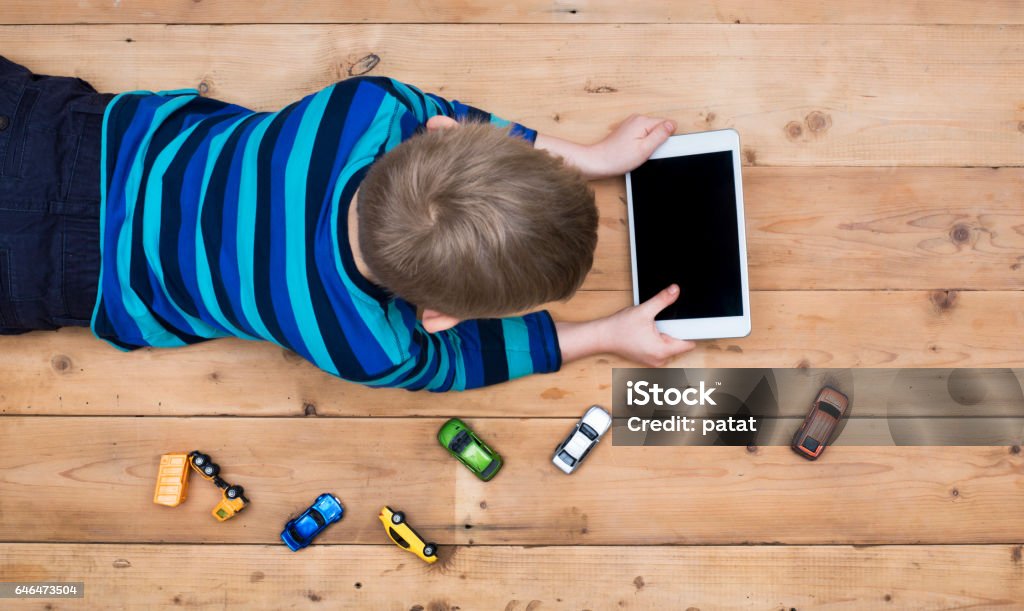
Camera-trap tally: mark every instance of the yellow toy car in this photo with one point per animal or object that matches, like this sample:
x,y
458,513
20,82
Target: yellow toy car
x,y
405,537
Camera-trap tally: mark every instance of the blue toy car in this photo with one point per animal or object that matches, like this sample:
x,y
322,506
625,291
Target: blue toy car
x,y
301,531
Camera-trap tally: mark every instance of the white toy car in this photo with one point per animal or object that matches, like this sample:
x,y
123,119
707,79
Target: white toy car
x,y
571,452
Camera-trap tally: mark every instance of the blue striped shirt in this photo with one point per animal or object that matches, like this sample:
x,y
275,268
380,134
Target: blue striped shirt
x,y
219,221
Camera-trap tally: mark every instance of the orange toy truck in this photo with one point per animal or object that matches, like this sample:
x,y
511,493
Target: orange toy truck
x,y
172,480
172,483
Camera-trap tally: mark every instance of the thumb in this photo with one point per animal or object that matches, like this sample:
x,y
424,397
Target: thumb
x,y
661,130
657,135
659,302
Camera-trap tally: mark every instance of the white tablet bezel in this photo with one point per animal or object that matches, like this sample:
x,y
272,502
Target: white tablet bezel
x,y
701,328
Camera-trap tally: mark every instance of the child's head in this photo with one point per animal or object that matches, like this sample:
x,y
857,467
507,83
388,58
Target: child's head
x,y
473,223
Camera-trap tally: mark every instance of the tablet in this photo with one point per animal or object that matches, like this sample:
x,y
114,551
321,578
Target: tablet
x,y
686,227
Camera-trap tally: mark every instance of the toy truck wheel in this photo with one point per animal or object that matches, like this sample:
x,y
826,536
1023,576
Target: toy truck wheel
x,y
398,517
200,459
233,492
211,469
429,549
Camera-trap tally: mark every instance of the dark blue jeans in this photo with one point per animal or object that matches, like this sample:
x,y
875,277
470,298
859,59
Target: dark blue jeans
x,y
50,137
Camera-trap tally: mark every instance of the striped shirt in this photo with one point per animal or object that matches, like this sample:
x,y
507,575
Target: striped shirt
x,y
219,221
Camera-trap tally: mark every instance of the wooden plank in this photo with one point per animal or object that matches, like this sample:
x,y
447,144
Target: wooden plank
x,y
522,11
70,372
90,479
799,95
714,495
517,579
849,228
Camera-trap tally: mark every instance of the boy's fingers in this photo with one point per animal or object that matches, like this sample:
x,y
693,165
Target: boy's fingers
x,y
670,349
658,127
659,302
675,347
655,135
679,345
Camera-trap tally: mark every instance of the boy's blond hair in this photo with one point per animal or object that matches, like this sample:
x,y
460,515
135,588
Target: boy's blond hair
x,y
474,223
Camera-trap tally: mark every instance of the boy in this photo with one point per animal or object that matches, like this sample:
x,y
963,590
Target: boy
x,y
169,219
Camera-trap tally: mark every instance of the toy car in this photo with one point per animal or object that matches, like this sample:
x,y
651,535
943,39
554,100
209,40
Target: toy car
x,y
571,452
301,531
233,498
172,480
816,431
405,537
463,444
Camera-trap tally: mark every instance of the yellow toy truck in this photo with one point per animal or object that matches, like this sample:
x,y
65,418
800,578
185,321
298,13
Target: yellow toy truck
x,y
227,507
233,499
172,483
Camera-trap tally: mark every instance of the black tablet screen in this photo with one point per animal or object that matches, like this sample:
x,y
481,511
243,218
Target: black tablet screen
x,y
684,216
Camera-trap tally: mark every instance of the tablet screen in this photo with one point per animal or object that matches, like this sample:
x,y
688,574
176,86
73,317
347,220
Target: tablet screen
x,y
684,218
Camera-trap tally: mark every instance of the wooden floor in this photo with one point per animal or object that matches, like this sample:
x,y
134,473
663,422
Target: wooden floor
x,y
884,151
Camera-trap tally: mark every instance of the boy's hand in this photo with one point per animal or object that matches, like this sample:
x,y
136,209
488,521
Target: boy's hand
x,y
630,333
633,334
629,145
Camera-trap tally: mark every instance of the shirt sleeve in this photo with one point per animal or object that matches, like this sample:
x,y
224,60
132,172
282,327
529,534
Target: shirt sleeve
x,y
476,353
423,105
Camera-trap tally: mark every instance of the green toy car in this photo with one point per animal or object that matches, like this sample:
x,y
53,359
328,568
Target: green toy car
x,y
462,443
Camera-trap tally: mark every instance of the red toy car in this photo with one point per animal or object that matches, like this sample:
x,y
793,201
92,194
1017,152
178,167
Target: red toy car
x,y
819,425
